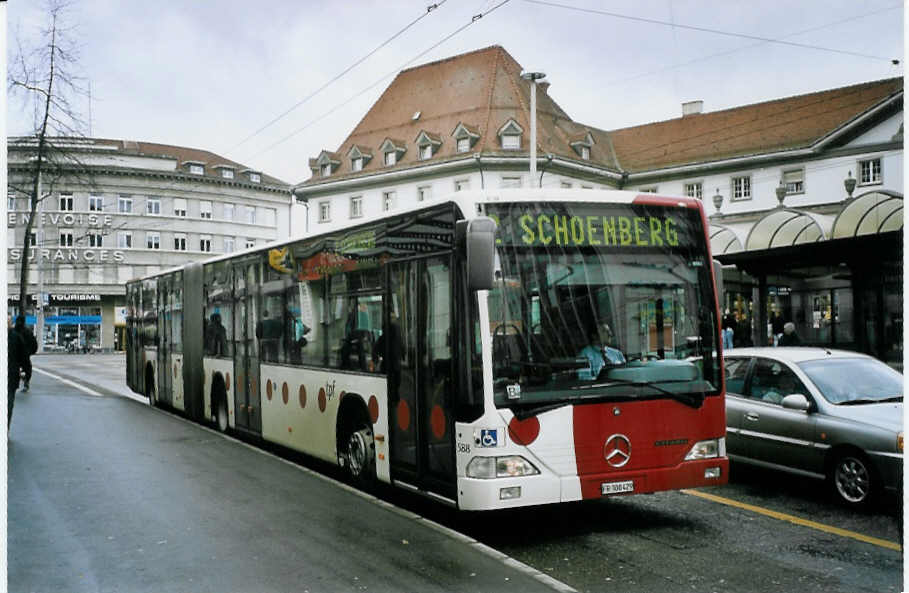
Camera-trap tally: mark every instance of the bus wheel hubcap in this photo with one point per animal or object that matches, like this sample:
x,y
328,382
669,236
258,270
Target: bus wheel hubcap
x,y
359,449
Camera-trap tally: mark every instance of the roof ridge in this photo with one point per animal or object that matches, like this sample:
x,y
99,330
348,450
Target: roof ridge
x,y
881,81
497,47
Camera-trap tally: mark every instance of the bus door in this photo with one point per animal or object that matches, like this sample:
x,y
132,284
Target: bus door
x,y
165,381
247,413
420,395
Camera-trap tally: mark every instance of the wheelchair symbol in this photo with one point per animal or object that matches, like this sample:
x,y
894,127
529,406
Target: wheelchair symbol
x,y
489,438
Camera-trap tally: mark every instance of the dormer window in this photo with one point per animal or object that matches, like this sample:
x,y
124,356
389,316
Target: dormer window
x,y
197,169
429,143
510,135
581,144
392,151
465,137
225,171
326,164
359,156
255,177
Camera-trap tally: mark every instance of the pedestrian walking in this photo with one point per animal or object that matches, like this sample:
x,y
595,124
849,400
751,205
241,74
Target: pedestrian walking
x,y
15,349
789,337
31,346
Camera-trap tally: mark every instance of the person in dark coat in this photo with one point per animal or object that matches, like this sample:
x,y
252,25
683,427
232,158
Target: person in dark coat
x,y
31,346
15,350
789,337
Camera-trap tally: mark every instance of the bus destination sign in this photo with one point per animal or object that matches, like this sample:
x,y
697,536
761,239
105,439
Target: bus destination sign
x,y
592,226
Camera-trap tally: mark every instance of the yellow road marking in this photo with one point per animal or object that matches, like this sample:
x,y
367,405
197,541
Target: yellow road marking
x,y
798,520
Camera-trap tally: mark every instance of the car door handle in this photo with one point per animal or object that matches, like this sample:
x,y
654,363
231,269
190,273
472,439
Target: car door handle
x,y
752,416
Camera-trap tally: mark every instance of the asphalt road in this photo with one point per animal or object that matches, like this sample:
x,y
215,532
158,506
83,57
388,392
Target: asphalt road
x,y
763,532
107,494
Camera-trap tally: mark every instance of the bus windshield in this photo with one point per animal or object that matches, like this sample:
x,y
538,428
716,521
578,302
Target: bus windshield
x,y
601,301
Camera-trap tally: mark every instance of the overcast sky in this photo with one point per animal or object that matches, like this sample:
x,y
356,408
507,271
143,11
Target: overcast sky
x,y
210,74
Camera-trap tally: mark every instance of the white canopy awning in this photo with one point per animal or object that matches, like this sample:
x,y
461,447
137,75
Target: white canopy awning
x,y
869,214
723,240
784,227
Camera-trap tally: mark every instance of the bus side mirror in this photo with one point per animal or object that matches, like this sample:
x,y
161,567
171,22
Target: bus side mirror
x,y
480,244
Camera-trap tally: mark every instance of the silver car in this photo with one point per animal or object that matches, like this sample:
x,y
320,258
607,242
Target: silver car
x,y
822,413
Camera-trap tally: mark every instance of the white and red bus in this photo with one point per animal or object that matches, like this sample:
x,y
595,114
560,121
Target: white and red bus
x,y
489,349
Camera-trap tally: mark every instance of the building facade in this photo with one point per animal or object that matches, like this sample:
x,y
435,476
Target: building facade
x,y
804,191
115,210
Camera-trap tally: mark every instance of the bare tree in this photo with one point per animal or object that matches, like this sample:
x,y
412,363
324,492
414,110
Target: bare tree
x,y
45,77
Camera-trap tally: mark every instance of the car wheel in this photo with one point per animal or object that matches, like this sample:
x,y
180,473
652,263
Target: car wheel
x,y
852,479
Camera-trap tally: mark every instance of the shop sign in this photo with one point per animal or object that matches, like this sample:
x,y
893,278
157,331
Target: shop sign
x,y
779,290
69,254
62,219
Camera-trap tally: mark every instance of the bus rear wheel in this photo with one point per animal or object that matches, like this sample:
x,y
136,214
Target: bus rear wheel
x,y
150,393
221,416
360,454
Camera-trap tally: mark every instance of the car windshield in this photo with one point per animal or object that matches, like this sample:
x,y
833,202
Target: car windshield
x,y
860,380
601,301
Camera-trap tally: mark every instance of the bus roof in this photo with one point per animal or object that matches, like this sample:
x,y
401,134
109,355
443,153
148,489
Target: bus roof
x,y
468,202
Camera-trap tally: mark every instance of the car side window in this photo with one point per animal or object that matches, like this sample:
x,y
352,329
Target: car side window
x,y
736,371
772,381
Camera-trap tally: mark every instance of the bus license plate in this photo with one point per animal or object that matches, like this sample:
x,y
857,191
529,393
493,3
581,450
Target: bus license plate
x,y
617,487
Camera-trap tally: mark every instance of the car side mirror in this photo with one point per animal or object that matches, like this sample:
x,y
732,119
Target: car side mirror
x,y
796,401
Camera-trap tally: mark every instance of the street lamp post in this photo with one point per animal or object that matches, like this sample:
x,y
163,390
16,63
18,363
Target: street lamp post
x,y
533,77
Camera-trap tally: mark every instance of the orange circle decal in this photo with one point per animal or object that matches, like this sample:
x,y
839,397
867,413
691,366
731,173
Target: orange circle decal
x,y
227,382
437,421
322,401
302,396
524,432
373,409
285,393
268,390
403,416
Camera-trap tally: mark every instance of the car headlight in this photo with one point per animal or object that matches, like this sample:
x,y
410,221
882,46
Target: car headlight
x,y
704,450
899,442
500,467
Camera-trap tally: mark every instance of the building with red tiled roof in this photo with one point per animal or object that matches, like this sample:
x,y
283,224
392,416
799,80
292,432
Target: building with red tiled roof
x,y
794,173
119,209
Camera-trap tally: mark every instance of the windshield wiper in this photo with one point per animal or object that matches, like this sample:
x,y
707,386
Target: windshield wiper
x,y
867,400
694,400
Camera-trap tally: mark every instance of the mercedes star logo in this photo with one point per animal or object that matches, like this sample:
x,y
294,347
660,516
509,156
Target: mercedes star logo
x,y
617,450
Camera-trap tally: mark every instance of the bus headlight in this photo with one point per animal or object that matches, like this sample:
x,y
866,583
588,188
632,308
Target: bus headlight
x,y
899,442
704,450
500,467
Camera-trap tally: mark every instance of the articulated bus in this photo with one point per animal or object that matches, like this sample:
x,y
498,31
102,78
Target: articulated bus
x,y
487,349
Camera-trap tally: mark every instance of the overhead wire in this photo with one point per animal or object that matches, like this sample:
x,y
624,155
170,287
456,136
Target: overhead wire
x,y
473,20
429,10
706,29
749,46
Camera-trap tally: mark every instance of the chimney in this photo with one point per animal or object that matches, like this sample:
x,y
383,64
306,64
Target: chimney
x,y
692,108
543,86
